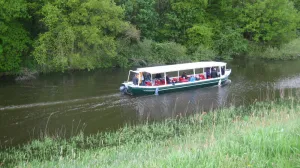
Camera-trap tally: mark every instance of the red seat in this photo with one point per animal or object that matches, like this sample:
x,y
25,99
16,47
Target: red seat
x,y
148,83
157,82
201,76
183,80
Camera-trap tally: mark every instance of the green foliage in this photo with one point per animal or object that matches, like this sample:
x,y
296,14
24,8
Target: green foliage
x,y
296,4
230,42
82,38
148,52
182,16
200,35
142,14
14,39
58,35
11,10
203,53
272,21
15,43
287,51
170,52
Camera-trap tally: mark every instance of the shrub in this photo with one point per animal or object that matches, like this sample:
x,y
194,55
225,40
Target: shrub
x,y
230,43
204,54
287,51
148,52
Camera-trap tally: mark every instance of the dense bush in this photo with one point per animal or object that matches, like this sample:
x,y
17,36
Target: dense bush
x,y
204,54
148,52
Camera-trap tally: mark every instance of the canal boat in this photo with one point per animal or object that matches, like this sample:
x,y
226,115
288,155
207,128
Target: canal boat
x,y
157,79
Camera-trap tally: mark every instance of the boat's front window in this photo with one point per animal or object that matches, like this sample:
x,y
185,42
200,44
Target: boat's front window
x,y
131,75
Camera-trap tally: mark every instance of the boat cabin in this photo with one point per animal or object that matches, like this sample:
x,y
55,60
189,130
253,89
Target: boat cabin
x,y
173,77
179,73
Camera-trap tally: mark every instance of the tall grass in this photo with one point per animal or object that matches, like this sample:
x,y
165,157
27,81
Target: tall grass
x,y
287,51
261,135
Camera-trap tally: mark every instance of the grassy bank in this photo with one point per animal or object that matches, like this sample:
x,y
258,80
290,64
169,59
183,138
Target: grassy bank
x,y
261,135
288,51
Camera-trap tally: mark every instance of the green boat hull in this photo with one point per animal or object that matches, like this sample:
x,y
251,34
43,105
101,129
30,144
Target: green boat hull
x,y
175,87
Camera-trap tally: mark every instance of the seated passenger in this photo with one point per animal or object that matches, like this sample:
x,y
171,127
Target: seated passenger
x,y
192,79
168,79
135,79
184,76
158,76
148,77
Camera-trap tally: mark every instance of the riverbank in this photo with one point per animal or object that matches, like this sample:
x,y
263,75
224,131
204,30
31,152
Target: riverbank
x,y
261,135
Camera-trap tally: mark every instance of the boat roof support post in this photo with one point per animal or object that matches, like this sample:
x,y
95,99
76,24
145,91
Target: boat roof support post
x,y
151,80
165,78
139,79
194,72
128,75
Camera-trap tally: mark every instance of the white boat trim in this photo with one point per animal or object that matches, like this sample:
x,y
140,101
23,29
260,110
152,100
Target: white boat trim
x,y
180,67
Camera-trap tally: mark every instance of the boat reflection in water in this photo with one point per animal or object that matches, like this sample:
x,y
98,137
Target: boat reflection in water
x,y
181,103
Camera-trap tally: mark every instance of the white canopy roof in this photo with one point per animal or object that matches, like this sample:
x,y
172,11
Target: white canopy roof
x,y
180,67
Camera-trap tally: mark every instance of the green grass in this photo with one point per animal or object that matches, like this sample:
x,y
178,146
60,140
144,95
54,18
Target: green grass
x,y
262,135
287,51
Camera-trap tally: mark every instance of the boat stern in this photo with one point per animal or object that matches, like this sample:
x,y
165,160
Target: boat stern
x,y
124,88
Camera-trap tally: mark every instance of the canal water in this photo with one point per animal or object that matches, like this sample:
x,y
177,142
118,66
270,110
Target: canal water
x,y
66,103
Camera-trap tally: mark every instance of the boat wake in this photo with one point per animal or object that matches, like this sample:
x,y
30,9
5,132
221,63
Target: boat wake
x,y
57,102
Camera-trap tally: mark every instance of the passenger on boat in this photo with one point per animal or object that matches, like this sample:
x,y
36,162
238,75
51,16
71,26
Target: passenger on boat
x,y
168,79
207,71
141,79
157,76
223,70
148,77
184,76
214,73
135,79
192,79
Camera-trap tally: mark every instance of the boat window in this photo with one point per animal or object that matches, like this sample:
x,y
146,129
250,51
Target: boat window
x,y
199,71
173,74
131,75
188,72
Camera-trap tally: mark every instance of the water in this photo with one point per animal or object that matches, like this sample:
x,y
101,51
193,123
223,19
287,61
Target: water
x,y
64,104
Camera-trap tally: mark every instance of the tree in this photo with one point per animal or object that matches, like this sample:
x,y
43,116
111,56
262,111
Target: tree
x,y
80,35
14,39
184,14
200,35
271,21
142,14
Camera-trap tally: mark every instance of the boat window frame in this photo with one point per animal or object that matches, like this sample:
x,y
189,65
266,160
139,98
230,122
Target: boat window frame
x,y
129,74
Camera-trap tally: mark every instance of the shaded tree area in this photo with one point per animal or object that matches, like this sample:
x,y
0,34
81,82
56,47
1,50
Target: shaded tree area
x,y
59,35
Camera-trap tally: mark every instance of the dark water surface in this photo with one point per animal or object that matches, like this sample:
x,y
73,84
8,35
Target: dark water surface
x,y
65,103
